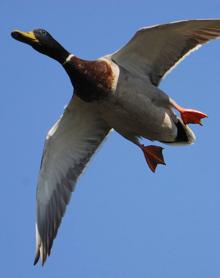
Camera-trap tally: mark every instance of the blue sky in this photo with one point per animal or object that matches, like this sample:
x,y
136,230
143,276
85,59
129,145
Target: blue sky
x,y
123,221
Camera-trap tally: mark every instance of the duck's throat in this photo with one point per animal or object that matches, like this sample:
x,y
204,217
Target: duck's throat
x,y
55,51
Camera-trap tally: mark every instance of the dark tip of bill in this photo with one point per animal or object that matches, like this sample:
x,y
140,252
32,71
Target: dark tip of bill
x,y
14,34
18,36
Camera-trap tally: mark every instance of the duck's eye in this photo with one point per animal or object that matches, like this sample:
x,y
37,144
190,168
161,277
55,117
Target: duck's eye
x,y
43,32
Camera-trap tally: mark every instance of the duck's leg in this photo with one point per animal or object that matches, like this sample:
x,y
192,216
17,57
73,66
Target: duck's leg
x,y
153,156
189,116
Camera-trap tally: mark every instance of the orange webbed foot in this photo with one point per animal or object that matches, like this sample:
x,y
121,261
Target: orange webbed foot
x,y
153,156
190,116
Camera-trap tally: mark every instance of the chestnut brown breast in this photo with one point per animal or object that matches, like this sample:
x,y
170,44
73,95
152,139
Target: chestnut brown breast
x,y
92,80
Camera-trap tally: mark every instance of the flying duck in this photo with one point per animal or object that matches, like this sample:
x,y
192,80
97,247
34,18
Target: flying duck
x,y
118,91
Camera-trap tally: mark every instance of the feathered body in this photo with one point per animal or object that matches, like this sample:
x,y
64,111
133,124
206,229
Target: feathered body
x,y
143,109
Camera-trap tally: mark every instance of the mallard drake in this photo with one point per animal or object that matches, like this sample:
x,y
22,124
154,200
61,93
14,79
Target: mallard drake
x,y
118,91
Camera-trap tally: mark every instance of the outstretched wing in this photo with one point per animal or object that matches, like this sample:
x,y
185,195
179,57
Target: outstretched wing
x,y
69,145
153,51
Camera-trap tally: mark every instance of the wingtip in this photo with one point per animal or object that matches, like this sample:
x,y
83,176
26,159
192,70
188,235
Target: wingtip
x,y
38,256
36,259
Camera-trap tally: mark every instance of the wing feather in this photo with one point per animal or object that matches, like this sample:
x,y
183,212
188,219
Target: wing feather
x,y
155,50
69,145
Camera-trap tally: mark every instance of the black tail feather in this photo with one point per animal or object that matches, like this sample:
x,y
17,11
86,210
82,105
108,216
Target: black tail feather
x,y
184,135
181,133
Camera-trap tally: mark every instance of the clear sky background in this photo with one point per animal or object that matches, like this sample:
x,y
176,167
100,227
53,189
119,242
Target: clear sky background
x,y
123,221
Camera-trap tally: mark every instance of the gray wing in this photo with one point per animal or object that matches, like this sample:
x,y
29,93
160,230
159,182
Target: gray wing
x,y
69,145
153,51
